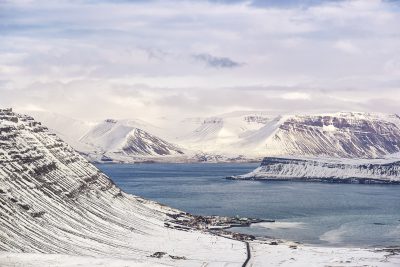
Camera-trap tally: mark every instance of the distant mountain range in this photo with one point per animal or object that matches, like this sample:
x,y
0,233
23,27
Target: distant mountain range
x,y
236,136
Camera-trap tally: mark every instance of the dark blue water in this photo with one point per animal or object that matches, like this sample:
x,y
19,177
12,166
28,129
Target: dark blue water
x,y
315,213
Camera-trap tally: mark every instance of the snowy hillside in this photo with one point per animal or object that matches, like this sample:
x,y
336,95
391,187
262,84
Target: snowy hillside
x,y
227,133
54,201
326,170
124,140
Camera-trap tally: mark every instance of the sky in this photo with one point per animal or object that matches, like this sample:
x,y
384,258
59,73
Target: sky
x,y
95,59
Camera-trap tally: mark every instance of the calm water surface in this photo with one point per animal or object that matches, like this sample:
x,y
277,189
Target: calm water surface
x,y
314,213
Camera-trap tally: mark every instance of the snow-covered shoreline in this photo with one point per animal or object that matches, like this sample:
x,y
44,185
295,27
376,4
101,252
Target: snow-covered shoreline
x,y
364,171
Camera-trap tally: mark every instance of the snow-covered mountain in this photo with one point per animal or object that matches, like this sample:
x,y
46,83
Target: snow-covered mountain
x,y
351,134
326,170
226,134
245,135
123,140
55,201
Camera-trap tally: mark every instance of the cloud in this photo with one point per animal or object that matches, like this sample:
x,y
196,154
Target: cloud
x,y
145,59
347,47
290,3
217,62
296,96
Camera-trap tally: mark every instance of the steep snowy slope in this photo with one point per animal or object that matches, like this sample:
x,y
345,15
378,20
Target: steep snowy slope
x,y
54,201
328,170
124,140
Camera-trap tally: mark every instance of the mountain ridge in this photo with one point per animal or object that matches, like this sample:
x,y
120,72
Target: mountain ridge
x,y
253,135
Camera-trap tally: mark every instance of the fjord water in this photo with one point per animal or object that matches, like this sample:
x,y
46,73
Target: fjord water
x,y
313,213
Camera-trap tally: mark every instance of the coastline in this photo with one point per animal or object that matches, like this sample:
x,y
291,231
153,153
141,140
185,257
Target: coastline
x,y
350,180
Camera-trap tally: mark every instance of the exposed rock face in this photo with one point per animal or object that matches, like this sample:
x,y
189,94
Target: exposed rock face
x,y
328,170
52,200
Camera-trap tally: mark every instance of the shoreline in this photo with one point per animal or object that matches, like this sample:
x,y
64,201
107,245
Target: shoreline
x,y
223,226
174,162
326,180
257,246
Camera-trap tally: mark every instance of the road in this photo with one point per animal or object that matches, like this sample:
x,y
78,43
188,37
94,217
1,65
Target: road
x,y
248,254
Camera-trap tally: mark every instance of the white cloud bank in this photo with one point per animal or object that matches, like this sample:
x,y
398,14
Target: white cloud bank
x,y
96,59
